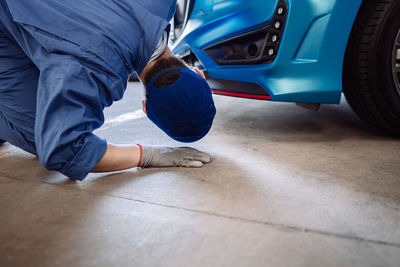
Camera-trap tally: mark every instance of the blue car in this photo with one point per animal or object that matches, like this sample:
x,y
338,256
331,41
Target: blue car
x,y
302,51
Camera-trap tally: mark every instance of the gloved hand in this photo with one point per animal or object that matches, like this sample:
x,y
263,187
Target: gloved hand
x,y
153,156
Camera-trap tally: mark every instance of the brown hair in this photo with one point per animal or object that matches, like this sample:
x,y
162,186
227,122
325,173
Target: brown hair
x,y
168,77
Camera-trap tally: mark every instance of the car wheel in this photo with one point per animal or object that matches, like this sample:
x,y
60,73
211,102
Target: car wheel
x,y
371,73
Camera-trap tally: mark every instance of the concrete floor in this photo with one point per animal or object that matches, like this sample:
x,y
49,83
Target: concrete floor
x,y
287,187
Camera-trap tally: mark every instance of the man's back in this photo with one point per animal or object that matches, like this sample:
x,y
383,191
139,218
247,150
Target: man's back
x,y
112,30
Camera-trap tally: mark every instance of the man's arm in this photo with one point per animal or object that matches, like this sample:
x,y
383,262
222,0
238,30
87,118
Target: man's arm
x,y
118,158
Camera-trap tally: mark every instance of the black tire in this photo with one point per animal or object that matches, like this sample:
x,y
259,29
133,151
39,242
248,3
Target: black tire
x,y
368,80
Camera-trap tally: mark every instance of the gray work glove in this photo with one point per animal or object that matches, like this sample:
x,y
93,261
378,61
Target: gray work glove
x,y
154,156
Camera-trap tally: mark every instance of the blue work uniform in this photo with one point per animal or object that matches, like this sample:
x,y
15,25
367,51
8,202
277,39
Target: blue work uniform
x,y
61,63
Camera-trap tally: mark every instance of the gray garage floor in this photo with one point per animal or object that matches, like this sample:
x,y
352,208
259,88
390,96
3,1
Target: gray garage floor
x,y
287,187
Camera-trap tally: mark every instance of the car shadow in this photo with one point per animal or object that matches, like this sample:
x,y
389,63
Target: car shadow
x,y
289,123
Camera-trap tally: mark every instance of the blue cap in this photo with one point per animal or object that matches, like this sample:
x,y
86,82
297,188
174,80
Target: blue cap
x,y
185,109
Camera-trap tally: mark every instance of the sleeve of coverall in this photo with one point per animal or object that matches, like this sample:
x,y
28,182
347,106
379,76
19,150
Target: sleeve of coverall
x,y
71,97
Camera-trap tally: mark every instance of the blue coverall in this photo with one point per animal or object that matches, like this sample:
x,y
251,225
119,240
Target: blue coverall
x,y
61,63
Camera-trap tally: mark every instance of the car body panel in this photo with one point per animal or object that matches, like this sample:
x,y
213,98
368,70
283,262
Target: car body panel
x,y
308,66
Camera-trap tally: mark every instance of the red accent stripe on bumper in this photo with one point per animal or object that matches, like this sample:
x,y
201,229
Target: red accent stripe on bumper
x,y
263,97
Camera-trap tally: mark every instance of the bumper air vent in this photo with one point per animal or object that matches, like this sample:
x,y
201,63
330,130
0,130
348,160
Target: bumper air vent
x,y
256,47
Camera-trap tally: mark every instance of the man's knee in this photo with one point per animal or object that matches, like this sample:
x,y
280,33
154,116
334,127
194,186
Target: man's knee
x,y
18,89
14,135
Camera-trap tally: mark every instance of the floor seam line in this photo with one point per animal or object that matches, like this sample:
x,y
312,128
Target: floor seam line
x,y
271,224
274,225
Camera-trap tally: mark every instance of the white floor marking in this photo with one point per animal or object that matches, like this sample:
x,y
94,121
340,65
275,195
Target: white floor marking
x,y
130,116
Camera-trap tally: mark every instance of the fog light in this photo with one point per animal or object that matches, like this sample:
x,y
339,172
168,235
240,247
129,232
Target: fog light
x,y
252,49
280,11
271,52
277,25
274,38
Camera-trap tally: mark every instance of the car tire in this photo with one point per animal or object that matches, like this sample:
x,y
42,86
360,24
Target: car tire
x,y
371,73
